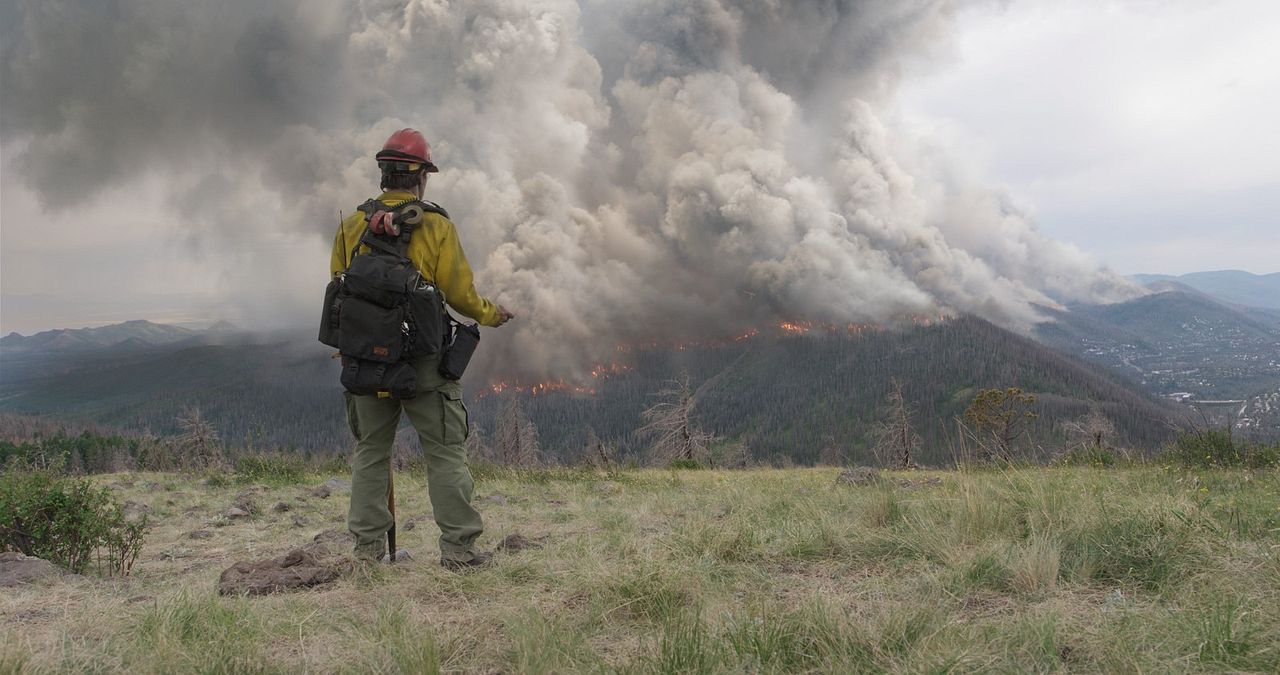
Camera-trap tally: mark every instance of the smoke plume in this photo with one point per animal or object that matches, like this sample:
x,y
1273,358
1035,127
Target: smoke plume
x,y
619,172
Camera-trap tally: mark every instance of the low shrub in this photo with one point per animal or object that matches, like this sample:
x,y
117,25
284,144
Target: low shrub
x,y
67,521
278,468
333,464
1217,448
685,465
1090,455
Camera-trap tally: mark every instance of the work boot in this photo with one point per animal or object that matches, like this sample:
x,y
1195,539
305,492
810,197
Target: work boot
x,y
370,554
478,559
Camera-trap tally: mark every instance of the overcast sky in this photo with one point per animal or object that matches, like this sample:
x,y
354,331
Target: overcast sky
x,y
1142,132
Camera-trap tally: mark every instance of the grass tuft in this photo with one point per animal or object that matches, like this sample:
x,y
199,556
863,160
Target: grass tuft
x,y
200,633
1081,569
272,469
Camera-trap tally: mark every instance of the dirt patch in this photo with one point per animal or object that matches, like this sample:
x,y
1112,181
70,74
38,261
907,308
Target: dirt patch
x,y
135,512
858,475
974,606
334,538
518,542
307,567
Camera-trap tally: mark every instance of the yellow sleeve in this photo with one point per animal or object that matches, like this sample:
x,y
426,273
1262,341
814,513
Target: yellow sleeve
x,y
454,277
338,260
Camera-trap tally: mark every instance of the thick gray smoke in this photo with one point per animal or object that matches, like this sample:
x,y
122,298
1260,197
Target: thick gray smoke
x,y
619,171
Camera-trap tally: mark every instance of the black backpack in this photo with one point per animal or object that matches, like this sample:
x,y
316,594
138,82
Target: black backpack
x,y
380,313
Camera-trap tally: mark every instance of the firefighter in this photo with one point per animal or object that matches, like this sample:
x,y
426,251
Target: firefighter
x,y
437,411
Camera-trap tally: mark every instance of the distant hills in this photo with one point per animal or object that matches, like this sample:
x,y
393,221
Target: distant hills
x,y
1182,343
127,335
1231,286
782,396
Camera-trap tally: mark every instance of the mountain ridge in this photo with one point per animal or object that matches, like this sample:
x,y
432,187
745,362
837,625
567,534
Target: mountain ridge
x,y
1236,287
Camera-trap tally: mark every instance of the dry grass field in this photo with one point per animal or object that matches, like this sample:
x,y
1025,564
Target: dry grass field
x,y
1151,569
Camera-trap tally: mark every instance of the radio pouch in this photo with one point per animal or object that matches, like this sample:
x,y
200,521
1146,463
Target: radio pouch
x,y
426,320
462,343
372,378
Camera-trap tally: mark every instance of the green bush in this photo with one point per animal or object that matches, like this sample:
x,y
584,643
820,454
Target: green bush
x,y
67,521
278,468
1217,448
333,464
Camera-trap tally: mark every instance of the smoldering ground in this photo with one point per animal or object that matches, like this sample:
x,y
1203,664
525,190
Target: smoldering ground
x,y
620,172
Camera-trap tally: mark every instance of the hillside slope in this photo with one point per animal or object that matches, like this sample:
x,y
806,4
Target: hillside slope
x,y
783,396
1186,345
794,395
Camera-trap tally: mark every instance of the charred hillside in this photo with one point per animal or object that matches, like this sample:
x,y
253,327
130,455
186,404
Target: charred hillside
x,y
791,396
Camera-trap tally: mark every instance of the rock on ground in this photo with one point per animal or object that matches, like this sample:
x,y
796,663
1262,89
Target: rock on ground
x,y
338,485
858,475
307,567
246,501
402,555
17,569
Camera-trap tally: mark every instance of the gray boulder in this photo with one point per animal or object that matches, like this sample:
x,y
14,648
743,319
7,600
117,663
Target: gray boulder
x,y
17,569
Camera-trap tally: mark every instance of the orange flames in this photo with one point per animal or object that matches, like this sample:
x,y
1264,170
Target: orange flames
x,y
804,327
602,371
605,371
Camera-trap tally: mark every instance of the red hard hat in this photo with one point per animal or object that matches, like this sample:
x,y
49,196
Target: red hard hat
x,y
407,145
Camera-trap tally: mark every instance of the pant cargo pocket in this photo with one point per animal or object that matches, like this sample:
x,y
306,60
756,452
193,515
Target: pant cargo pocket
x,y
456,422
353,420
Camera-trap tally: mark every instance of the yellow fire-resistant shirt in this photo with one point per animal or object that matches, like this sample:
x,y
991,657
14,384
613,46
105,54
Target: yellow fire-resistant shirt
x,y
434,250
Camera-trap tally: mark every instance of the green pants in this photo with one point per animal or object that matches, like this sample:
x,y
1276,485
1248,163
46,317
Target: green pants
x,y
440,418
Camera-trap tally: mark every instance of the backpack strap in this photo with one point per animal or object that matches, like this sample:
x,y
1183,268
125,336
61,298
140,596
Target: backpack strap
x,y
408,212
407,215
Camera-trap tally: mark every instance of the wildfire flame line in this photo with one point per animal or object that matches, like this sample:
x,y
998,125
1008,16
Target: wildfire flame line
x,y
604,371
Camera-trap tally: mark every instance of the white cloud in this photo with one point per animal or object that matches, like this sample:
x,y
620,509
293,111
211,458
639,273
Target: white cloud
x,y
1102,115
